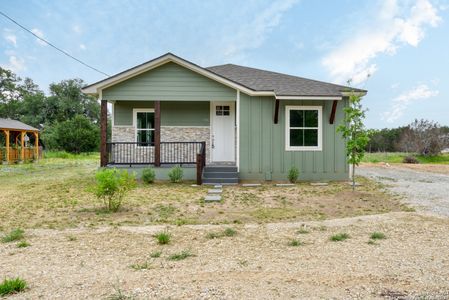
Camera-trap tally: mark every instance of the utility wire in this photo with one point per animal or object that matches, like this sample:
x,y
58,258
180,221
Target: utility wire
x,y
51,45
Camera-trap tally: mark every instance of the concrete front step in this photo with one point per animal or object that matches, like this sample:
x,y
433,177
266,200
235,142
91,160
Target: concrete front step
x,y
221,181
220,174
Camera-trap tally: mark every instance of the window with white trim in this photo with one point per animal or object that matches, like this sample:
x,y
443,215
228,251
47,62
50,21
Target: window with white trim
x,y
303,128
144,123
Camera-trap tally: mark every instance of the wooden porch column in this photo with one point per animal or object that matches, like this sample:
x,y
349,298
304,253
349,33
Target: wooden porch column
x,y
7,145
103,133
22,145
36,146
157,133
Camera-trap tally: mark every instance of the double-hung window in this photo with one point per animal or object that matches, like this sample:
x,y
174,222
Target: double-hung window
x,y
144,125
303,128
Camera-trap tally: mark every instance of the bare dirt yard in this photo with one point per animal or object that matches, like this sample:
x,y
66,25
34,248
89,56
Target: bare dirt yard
x,y
301,242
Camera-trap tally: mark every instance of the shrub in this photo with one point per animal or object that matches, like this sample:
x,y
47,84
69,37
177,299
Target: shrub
x,y
339,237
377,236
293,174
175,174
14,235
229,232
410,160
11,286
163,238
112,185
148,175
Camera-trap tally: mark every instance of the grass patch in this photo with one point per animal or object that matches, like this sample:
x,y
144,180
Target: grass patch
x,y
180,256
163,238
71,238
23,244
377,236
339,237
228,232
14,235
155,254
295,243
372,242
145,266
398,157
12,286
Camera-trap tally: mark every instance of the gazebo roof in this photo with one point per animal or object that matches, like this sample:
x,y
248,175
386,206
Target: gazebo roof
x,y
9,124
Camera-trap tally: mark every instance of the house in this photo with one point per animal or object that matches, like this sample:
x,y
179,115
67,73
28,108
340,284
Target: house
x,y
223,123
17,138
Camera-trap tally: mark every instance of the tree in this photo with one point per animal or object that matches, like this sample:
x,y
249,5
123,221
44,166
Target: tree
x,y
424,137
353,130
75,135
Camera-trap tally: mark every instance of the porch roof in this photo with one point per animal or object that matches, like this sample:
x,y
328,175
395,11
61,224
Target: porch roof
x,y
15,125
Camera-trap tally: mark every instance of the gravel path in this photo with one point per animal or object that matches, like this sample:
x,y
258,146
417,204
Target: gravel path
x,y
423,190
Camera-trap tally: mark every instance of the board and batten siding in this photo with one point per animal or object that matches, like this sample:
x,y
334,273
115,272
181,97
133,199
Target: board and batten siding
x,y
262,143
173,113
169,82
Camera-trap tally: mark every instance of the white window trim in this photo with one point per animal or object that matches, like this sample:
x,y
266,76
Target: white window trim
x,y
135,111
288,108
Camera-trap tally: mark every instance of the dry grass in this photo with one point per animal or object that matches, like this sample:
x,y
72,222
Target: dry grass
x,y
56,193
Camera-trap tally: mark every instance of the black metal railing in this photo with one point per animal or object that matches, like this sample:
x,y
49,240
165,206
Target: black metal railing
x,y
136,153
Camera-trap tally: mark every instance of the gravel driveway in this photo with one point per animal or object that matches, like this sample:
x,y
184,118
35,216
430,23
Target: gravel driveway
x,y
423,190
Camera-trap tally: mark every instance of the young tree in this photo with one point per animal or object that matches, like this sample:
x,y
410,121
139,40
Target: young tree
x,y
353,130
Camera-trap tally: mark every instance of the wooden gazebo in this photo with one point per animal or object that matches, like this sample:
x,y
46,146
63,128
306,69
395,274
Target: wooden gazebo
x,y
17,146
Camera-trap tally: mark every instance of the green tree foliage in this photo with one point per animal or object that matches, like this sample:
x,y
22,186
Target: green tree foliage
x,y
353,130
75,135
23,100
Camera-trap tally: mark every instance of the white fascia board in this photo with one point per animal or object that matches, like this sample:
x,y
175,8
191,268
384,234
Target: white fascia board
x,y
96,88
308,98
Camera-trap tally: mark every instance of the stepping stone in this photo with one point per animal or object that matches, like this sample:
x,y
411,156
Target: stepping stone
x,y
215,191
251,184
319,184
218,186
285,184
194,185
356,184
212,198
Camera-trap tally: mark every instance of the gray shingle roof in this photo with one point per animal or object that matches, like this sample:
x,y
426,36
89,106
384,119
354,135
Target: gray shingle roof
x,y
281,84
14,124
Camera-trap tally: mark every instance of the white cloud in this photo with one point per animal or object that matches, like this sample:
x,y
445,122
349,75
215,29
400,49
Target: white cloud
x,y
83,47
40,34
253,35
15,64
401,102
390,30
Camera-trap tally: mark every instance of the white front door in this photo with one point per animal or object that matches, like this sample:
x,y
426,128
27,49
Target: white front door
x,y
223,131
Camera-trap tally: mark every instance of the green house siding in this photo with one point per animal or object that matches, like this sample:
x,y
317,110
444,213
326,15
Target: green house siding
x,y
169,82
173,113
262,143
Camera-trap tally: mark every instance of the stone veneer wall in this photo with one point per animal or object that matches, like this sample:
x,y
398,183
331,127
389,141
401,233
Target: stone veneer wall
x,y
168,134
186,134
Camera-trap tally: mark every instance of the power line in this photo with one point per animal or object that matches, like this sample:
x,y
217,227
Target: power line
x,y
51,45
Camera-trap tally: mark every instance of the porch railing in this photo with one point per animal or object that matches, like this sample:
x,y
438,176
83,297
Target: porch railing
x,y
171,153
15,154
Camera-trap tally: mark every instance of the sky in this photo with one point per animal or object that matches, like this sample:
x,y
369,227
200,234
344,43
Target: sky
x,y
397,50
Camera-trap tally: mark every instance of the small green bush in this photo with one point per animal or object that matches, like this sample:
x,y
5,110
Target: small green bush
x,y
229,232
112,185
339,237
293,174
14,235
176,174
163,238
12,286
378,236
148,175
